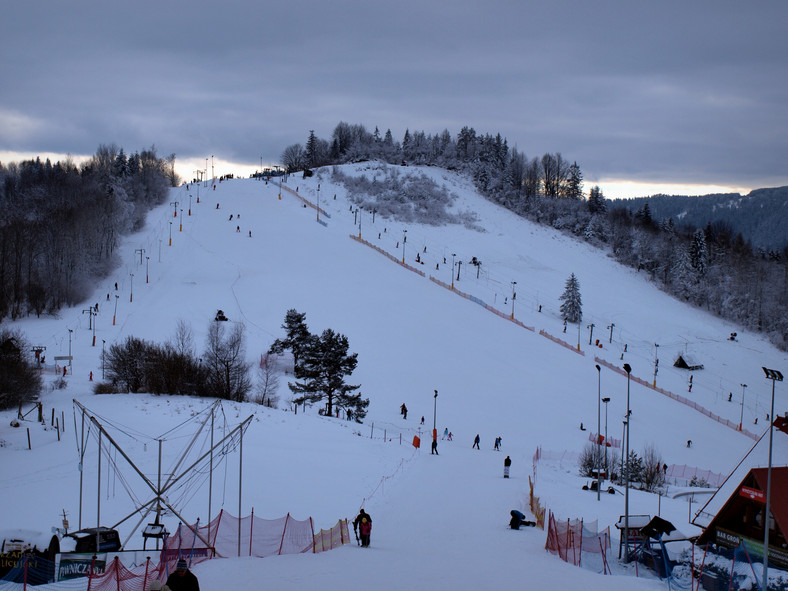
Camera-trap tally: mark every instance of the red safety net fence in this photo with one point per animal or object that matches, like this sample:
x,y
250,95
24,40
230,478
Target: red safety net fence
x,y
224,537
579,543
329,539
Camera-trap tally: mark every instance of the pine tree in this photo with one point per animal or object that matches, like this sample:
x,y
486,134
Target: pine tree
x,y
698,252
574,184
321,372
596,201
297,335
572,306
311,149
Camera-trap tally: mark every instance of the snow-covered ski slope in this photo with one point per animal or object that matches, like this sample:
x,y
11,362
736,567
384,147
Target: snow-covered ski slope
x,y
439,522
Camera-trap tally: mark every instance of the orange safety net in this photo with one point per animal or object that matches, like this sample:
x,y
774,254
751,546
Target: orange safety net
x,y
329,539
571,538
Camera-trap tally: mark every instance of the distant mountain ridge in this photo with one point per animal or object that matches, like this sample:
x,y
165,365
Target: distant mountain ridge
x,y
761,216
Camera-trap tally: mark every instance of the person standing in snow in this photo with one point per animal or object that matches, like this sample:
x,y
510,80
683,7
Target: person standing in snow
x,y
476,441
183,579
363,525
403,411
506,465
445,433
434,449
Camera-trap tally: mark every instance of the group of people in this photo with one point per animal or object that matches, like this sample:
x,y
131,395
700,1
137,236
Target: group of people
x,y
362,527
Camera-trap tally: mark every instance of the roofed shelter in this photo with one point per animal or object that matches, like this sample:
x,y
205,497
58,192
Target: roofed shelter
x,y
735,513
687,361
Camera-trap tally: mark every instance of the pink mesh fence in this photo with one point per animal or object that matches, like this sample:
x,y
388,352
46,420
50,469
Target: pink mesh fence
x,y
247,536
578,543
329,539
224,537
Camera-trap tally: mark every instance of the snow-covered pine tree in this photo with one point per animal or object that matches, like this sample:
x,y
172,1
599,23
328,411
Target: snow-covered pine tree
x,y
297,335
572,305
321,372
698,252
574,182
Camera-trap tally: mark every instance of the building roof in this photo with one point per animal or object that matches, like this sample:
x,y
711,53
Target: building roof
x,y
756,461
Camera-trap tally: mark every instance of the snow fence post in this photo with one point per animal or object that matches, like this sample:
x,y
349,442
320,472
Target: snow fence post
x,y
284,529
90,572
145,576
251,531
312,527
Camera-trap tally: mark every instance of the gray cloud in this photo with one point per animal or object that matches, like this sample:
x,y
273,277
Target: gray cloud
x,y
670,91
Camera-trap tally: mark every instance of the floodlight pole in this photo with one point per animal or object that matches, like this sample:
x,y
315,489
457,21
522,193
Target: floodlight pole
x,y
627,369
514,296
741,416
774,376
598,428
606,400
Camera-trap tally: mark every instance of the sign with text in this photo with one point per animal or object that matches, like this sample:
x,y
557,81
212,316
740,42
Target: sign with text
x,y
752,494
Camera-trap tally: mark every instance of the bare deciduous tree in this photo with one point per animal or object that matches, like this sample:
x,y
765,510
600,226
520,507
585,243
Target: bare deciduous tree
x,y
227,371
268,381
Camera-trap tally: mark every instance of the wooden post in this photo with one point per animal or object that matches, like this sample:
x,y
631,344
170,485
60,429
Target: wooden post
x,y
57,426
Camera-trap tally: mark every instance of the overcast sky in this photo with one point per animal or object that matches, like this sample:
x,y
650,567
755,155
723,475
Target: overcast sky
x,y
649,92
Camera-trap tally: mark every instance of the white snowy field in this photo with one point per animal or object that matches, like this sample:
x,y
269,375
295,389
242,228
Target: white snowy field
x,y
439,521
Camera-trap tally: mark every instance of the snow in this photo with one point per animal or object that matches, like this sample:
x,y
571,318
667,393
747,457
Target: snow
x,y
439,521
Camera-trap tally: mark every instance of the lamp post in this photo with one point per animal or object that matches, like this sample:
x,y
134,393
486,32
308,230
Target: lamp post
x,y
656,363
741,416
627,369
131,286
774,376
606,400
103,342
404,238
318,197
598,429
610,340
590,332
114,315
147,266
452,269
213,175
514,295
69,346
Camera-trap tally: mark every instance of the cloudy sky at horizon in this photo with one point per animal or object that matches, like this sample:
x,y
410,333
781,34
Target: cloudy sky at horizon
x,y
673,93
